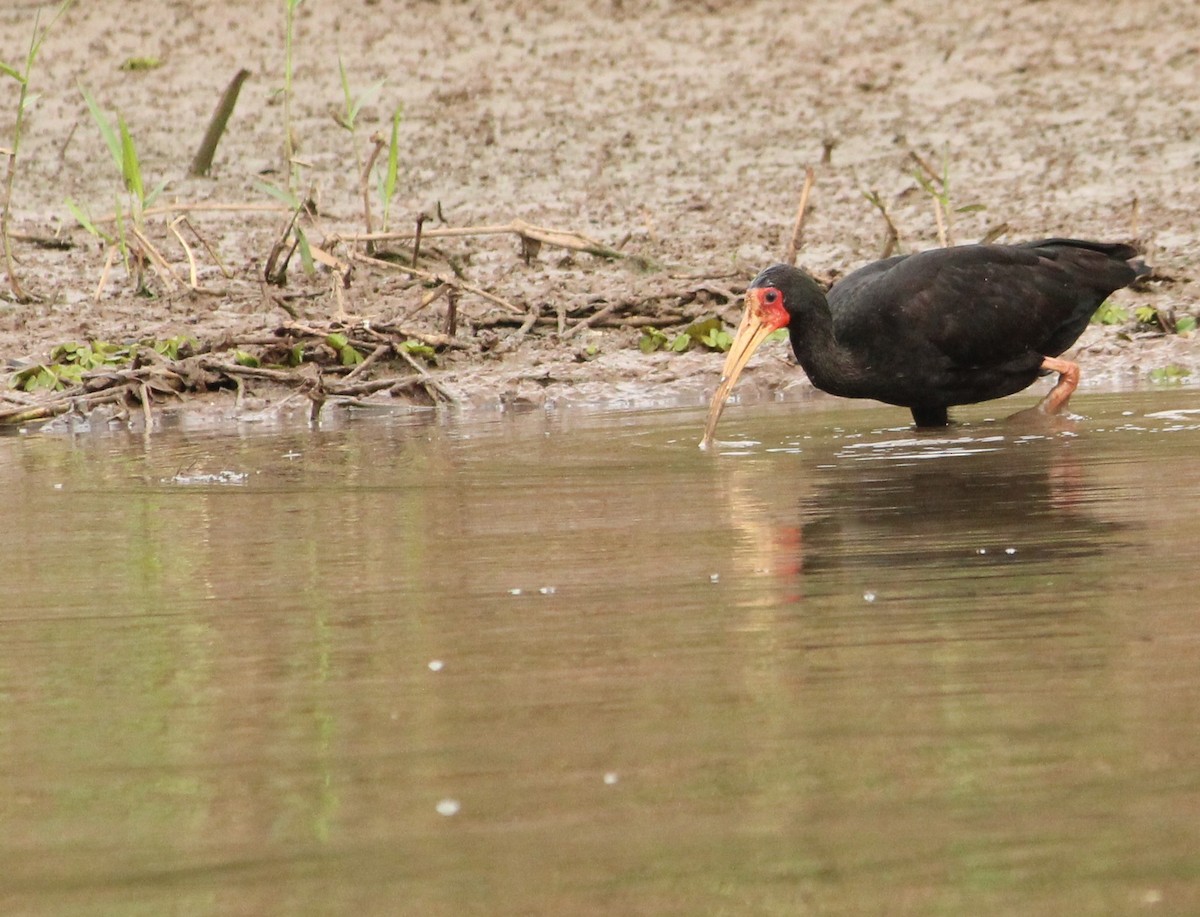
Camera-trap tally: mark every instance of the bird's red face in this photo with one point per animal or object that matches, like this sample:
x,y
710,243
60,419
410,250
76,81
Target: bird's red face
x,y
764,315
767,305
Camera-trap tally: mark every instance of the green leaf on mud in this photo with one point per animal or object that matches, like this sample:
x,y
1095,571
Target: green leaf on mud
x,y
1170,374
419,349
1146,315
171,348
52,377
710,333
698,329
651,340
134,64
1110,313
719,340
243,358
33,378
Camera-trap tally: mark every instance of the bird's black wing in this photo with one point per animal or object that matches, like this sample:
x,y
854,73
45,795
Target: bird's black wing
x,y
980,305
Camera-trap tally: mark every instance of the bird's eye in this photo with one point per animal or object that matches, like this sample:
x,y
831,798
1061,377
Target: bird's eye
x,y
771,297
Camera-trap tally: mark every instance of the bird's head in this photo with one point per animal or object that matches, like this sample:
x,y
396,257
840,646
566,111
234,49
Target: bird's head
x,y
768,299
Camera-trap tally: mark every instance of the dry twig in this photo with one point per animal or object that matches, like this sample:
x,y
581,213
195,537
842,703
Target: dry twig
x,y
798,227
435,278
557,238
893,234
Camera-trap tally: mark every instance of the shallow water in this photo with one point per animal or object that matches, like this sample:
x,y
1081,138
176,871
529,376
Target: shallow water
x,y
569,664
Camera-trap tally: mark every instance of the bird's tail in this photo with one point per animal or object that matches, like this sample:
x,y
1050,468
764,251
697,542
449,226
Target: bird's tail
x,y
1117,251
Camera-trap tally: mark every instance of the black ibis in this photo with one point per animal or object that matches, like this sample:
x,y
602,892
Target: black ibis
x,y
931,330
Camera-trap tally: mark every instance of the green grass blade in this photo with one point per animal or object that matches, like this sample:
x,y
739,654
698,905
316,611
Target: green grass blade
x,y
85,221
106,129
388,189
306,258
153,195
13,72
131,169
350,112
121,242
393,163
285,197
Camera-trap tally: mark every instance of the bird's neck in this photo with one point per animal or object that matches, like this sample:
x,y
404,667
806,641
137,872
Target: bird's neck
x,y
829,365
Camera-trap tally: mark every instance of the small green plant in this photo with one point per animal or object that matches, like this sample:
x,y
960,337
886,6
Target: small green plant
x,y
245,358
709,334
22,77
1146,315
69,361
137,64
652,339
419,349
1166,320
344,349
129,239
276,268
1110,313
48,376
91,356
387,181
937,186
124,154
352,105
1171,374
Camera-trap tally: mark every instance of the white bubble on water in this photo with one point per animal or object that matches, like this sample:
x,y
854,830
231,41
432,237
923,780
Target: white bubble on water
x,y
611,778
448,807
868,596
435,665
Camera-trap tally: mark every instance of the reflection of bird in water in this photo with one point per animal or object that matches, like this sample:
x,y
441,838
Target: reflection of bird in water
x,y
939,328
926,502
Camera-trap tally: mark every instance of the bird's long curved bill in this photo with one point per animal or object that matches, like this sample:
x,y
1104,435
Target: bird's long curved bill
x,y
751,332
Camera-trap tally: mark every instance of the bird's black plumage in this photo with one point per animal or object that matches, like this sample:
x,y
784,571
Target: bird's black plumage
x,y
948,326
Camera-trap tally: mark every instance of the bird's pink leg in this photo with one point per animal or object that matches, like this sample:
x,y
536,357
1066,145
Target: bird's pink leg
x,y
1068,378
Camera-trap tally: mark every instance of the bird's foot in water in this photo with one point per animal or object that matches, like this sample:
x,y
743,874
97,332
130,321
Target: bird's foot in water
x,y
1053,407
1068,379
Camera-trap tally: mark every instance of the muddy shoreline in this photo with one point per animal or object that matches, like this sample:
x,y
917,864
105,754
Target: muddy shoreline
x,y
675,135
